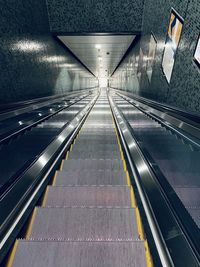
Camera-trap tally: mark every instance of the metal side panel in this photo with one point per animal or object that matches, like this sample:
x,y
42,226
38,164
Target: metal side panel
x,y
80,254
92,177
85,224
89,196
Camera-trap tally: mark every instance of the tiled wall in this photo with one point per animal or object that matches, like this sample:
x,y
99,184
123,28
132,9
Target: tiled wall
x,y
79,16
184,88
32,62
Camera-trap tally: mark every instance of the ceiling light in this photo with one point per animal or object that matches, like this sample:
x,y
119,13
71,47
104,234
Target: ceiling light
x,y
97,46
100,58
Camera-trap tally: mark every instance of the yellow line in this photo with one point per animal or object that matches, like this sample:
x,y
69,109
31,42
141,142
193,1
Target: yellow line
x,y
133,200
12,254
54,178
67,155
128,180
45,196
149,260
71,148
139,224
61,165
31,222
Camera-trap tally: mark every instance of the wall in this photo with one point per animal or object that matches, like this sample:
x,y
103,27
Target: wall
x,y
184,88
82,16
32,62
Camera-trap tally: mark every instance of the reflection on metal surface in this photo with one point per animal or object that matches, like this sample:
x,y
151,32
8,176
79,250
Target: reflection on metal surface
x,y
33,176
168,119
161,218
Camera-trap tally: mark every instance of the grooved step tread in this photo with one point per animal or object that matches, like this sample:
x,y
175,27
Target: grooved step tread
x,y
85,224
93,164
89,196
80,254
99,154
92,177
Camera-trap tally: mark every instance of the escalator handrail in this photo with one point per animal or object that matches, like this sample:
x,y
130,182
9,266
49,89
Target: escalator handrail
x,y
36,102
193,116
25,128
173,124
141,171
19,198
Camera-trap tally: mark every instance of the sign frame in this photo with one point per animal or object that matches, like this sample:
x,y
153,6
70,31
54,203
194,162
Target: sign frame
x,y
176,14
195,50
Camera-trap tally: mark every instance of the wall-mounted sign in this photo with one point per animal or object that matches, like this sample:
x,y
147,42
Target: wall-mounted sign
x,y
197,53
151,56
171,44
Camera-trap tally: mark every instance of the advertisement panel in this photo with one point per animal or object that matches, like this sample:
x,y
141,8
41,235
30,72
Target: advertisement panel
x,y
171,44
197,53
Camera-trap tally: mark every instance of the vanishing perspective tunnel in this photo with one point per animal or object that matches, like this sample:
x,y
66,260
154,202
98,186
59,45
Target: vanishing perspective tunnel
x,y
100,133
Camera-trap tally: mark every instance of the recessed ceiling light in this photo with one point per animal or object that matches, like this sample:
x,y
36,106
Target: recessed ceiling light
x,y
97,46
100,58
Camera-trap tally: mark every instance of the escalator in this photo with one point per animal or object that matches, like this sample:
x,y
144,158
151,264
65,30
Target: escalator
x,y
20,152
173,166
177,159
89,215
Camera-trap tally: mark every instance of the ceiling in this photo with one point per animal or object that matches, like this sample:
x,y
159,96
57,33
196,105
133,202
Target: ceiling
x,y
101,54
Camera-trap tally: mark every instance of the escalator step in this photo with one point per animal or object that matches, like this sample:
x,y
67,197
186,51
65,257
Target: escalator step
x,y
93,164
99,154
96,147
92,177
80,254
89,196
190,196
85,224
195,213
103,141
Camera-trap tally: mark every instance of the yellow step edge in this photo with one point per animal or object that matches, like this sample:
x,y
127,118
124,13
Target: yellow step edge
x,y
45,197
71,147
139,224
149,260
133,199
128,180
30,225
67,155
12,254
54,178
134,205
61,165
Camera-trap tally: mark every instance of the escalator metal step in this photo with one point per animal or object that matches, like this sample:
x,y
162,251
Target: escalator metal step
x,y
96,147
195,213
80,254
92,177
89,196
189,195
85,224
99,154
88,142
93,164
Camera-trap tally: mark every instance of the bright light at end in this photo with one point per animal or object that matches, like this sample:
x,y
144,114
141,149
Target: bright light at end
x,y
97,46
103,82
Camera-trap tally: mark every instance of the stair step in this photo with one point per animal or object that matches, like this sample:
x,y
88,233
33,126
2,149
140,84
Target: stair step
x,y
99,154
79,254
93,164
89,196
85,224
92,177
